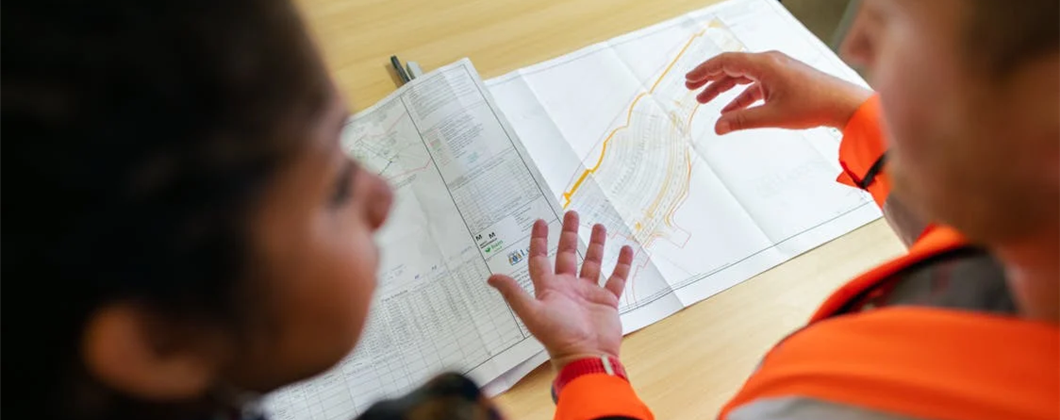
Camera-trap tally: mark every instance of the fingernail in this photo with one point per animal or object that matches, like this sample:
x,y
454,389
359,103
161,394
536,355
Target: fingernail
x,y
723,127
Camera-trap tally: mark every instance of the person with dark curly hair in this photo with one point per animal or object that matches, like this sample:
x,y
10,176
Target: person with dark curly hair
x,y
185,228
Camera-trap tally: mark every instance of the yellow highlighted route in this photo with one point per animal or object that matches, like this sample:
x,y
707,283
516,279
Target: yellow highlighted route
x,y
629,115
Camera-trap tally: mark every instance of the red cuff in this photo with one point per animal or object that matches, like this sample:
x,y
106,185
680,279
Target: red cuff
x,y
586,366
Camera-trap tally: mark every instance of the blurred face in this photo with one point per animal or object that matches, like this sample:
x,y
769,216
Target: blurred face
x,y
317,259
970,148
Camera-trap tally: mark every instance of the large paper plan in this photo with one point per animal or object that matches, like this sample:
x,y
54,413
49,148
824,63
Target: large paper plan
x,y
609,131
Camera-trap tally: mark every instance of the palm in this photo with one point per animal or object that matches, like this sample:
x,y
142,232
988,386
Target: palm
x,y
571,314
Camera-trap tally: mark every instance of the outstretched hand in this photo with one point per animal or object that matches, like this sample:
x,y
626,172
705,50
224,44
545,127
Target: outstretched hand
x,y
794,95
569,313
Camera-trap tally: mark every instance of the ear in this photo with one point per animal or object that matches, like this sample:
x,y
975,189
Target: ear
x,y
130,350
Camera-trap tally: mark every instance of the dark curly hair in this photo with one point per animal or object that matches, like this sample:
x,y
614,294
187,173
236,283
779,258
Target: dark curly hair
x,y
139,136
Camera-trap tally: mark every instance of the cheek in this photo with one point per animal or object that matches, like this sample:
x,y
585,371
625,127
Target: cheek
x,y
347,257
351,265
326,278
904,98
913,89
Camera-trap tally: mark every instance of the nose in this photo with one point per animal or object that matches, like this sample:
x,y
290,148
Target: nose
x,y
380,200
857,47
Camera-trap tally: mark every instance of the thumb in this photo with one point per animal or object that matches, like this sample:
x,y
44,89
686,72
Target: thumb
x,y
517,297
742,119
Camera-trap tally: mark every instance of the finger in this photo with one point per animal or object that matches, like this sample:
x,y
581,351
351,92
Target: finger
x,y
539,265
742,119
617,283
720,86
567,253
594,256
696,84
728,63
749,96
517,297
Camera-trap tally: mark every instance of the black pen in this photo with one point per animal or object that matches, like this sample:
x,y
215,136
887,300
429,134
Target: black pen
x,y
399,69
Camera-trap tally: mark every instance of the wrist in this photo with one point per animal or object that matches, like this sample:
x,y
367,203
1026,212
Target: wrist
x,y
560,362
847,105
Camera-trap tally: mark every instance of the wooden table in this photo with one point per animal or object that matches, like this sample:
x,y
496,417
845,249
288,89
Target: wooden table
x,y
686,366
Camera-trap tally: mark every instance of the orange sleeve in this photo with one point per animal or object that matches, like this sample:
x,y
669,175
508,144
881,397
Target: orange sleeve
x,y
862,152
600,395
